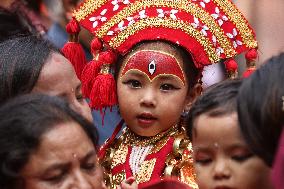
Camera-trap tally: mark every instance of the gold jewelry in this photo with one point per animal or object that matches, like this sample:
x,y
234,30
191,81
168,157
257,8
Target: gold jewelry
x,y
134,139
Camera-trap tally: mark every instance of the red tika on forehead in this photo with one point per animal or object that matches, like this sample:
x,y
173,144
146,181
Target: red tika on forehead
x,y
154,64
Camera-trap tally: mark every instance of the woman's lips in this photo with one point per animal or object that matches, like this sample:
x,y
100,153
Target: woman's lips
x,y
146,118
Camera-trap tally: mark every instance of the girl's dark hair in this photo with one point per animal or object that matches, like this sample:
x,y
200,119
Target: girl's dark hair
x,y
24,120
191,72
21,61
218,100
260,108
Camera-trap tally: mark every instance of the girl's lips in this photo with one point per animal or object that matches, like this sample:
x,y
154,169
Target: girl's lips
x,y
146,118
223,187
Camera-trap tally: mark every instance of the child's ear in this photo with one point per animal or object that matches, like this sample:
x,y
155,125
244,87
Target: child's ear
x,y
195,92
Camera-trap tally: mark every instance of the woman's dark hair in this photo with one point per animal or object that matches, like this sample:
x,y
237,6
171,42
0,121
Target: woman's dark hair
x,y
11,25
24,120
260,108
191,72
21,61
218,100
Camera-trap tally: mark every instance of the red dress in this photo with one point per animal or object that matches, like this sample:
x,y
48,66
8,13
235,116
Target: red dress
x,y
150,159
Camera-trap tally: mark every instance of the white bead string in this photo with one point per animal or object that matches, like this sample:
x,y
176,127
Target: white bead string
x,y
137,156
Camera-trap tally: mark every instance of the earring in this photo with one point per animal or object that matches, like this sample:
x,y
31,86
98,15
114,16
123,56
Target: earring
x,y
184,113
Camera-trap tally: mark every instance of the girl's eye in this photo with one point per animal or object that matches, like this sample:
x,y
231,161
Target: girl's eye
x,y
133,83
242,157
167,87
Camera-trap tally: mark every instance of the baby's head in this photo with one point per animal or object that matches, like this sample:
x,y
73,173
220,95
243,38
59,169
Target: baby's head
x,y
222,159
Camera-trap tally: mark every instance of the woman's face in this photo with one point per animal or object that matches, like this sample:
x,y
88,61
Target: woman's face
x,y
152,90
66,158
58,78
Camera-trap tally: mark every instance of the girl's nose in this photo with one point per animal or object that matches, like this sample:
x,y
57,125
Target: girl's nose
x,y
221,170
148,98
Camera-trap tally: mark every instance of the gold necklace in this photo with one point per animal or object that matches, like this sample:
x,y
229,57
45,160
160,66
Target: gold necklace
x,y
137,140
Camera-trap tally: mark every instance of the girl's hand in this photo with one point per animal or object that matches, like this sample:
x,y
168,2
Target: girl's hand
x,y
128,184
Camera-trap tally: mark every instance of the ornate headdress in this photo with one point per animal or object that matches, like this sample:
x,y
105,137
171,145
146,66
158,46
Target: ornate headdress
x,y
210,30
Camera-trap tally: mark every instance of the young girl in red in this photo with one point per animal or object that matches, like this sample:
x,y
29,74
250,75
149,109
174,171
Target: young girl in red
x,y
162,47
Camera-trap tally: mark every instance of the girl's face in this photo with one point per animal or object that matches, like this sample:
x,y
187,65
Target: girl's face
x,y
66,158
58,78
222,158
152,90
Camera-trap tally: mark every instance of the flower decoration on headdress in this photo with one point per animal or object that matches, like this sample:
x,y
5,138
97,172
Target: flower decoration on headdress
x,y
210,30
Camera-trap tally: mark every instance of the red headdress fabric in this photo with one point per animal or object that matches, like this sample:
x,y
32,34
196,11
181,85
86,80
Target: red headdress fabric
x,y
210,30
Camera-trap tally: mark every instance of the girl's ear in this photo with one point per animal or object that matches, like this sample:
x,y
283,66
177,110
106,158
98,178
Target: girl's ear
x,y
195,92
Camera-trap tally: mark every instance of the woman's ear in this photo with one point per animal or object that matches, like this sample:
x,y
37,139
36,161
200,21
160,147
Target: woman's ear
x,y
195,92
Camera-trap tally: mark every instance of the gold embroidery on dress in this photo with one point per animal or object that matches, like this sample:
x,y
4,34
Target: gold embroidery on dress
x,y
119,156
180,162
117,179
146,170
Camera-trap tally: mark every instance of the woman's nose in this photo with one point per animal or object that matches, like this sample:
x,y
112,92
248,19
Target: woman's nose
x,y
83,109
82,181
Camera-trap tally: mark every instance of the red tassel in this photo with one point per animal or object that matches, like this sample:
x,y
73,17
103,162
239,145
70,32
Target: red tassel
x,y
73,27
73,49
248,72
96,46
92,69
251,57
231,67
103,93
89,73
75,54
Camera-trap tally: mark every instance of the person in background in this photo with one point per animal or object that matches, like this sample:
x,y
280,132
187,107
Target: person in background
x,y
29,64
45,144
261,114
222,158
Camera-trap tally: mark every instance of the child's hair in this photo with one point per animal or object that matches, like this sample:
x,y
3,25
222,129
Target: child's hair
x,y
260,108
192,74
24,120
21,61
218,100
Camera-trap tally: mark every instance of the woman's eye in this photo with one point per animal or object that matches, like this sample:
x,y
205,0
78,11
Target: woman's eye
x,y
79,97
203,161
133,83
167,87
241,158
55,178
89,167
